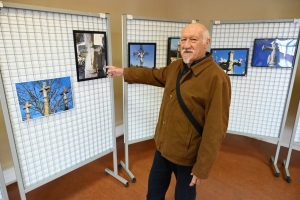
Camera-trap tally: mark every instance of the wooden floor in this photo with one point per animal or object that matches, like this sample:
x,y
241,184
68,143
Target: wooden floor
x,y
242,171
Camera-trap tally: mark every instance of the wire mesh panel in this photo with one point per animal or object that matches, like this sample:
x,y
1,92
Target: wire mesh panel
x,y
38,45
258,99
142,102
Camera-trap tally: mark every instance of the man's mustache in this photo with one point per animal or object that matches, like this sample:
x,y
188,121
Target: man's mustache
x,y
187,51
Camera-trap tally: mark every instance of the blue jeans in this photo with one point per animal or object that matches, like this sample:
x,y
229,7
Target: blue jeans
x,y
160,177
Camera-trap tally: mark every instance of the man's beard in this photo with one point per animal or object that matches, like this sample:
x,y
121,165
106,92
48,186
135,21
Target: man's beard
x,y
186,60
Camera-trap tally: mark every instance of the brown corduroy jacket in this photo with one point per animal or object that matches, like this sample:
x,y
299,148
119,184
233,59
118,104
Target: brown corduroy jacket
x,y
206,91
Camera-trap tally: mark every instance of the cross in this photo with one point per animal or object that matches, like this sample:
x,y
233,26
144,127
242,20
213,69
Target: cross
x,y
64,94
27,106
272,57
141,54
46,104
228,65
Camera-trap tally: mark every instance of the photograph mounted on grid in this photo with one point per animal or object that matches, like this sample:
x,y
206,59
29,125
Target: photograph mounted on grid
x,y
44,97
141,55
274,52
173,49
91,54
233,61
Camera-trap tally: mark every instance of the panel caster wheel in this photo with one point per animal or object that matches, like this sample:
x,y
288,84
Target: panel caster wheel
x,y
133,180
119,166
288,179
277,174
127,184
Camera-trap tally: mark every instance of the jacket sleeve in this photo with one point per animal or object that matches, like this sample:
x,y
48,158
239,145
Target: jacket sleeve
x,y
214,130
153,76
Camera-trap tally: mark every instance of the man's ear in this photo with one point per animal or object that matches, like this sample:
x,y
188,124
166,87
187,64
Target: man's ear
x,y
207,43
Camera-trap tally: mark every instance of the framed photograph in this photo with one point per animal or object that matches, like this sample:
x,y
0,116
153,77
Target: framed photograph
x,y
173,49
91,54
44,97
233,61
141,55
274,52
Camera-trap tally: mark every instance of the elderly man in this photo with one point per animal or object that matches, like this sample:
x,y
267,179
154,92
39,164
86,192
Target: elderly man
x,y
206,92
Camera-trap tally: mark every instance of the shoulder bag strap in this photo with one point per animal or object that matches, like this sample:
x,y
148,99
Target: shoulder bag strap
x,y
185,109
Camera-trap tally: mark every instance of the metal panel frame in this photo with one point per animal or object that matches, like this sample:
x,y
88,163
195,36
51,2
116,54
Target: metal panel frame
x,y
286,161
11,140
7,119
273,159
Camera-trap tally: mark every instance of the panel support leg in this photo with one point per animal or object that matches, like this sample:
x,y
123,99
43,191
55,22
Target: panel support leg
x,y
132,177
124,181
277,173
287,173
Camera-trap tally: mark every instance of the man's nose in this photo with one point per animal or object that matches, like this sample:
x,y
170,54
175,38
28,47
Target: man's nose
x,y
187,44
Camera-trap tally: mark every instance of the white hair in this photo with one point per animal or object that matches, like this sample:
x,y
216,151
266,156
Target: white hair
x,y
205,35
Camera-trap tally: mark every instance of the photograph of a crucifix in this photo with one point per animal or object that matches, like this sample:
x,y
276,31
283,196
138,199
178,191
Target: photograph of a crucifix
x,y
274,52
232,61
91,54
141,55
173,49
44,97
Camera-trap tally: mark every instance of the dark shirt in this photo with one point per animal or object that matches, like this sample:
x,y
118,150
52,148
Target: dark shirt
x,y
186,68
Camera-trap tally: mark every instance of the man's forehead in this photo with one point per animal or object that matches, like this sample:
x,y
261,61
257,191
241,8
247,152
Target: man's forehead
x,y
191,33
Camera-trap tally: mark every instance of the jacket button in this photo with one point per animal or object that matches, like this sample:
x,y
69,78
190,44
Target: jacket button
x,y
171,96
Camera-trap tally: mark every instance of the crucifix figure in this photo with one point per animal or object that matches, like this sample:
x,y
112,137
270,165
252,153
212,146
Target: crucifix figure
x,y
272,57
140,55
64,94
46,104
26,107
228,65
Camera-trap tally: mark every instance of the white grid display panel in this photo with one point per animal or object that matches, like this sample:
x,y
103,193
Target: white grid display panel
x,y
143,109
38,45
143,100
258,99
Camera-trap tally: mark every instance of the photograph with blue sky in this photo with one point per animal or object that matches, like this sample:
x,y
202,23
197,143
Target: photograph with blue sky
x,y
142,55
284,50
222,55
44,97
173,53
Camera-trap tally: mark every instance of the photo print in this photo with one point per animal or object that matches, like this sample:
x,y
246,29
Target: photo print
x,y
91,54
274,52
173,49
44,97
141,55
233,61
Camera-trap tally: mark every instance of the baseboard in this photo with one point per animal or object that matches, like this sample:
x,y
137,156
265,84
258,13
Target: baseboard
x,y
9,176
283,144
119,130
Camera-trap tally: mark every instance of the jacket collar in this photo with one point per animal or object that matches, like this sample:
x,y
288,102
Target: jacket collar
x,y
200,64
